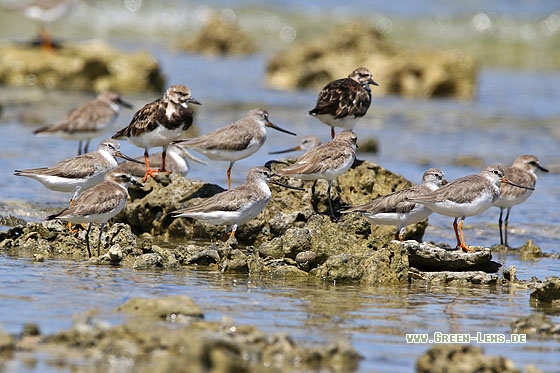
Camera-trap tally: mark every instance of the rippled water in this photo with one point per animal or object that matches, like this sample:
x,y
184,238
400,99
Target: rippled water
x,y
515,111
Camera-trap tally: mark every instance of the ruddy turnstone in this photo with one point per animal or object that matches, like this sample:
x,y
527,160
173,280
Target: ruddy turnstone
x,y
394,209
306,143
523,172
467,196
88,121
160,122
234,141
236,206
79,173
98,204
342,102
326,161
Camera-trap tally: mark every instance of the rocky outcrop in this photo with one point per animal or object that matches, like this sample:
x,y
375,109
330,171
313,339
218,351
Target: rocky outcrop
x,y
220,37
86,66
399,71
547,291
287,239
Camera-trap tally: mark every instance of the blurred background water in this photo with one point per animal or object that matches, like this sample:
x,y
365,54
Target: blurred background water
x,y
516,111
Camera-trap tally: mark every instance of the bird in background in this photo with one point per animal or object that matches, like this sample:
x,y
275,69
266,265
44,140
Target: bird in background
x,y
342,102
74,175
44,12
160,122
306,143
327,161
88,121
99,204
467,196
523,172
235,141
394,209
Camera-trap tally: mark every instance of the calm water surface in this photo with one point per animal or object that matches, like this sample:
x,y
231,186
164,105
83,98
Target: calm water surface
x,y
515,112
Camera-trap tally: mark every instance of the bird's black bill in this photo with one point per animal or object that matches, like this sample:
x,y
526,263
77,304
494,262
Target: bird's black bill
x,y
280,129
286,185
124,156
286,150
274,161
504,180
122,102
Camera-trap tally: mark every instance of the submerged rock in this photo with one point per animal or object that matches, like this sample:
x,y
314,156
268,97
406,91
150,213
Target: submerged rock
x,y
535,324
463,278
400,71
548,290
461,358
162,309
87,66
168,334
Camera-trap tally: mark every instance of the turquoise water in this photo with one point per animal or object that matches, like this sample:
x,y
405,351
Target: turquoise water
x,y
515,111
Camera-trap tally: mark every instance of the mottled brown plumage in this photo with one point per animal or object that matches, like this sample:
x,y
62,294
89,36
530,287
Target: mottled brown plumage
x,y
160,122
342,102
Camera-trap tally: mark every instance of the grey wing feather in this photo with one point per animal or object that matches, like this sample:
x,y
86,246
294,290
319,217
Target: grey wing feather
x,y
230,200
93,201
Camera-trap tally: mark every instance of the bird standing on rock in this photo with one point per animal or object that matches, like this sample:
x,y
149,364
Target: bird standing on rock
x,y
160,122
98,204
327,161
467,196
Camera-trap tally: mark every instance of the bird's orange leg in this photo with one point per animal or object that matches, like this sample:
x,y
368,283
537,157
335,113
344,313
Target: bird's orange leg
x,y
463,244
46,40
456,233
149,171
332,132
228,172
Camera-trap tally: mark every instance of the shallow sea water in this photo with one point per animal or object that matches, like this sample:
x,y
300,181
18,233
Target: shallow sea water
x,y
515,112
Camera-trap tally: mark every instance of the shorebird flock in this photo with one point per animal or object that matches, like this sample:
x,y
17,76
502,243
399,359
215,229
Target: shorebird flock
x,y
99,184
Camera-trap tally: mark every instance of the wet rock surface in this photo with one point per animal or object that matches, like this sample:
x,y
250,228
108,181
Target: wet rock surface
x,y
86,66
547,291
429,257
167,334
412,73
460,358
536,325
